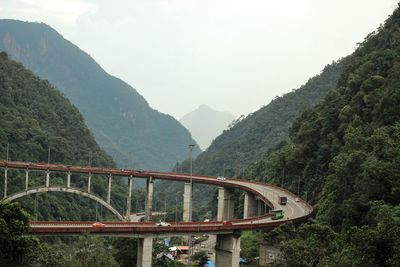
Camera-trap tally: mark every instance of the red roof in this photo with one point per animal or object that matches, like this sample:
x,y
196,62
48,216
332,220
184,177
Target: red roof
x,y
181,248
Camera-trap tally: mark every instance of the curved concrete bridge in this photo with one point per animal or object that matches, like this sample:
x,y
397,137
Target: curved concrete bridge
x,y
226,227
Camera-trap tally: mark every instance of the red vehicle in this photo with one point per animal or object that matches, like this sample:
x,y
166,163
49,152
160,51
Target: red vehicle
x,y
226,223
98,225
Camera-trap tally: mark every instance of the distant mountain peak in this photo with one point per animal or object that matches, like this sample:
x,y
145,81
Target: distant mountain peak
x,y
215,121
205,107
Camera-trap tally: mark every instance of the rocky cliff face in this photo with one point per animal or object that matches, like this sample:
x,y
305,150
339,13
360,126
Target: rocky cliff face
x,y
122,121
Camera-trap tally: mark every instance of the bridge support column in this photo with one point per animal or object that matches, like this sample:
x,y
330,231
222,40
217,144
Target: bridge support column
x,y
225,204
227,250
47,178
144,252
88,182
250,205
187,202
149,198
26,179
129,199
109,189
68,179
5,182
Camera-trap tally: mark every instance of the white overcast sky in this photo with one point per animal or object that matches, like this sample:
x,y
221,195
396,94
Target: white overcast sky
x,y
233,55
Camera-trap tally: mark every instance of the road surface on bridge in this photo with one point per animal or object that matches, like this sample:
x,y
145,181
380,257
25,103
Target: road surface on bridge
x,y
294,211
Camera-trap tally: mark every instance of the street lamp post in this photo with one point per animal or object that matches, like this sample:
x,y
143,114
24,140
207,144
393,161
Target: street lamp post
x,y
8,148
191,182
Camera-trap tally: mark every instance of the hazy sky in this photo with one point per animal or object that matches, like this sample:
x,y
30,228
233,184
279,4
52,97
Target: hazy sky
x,y
233,55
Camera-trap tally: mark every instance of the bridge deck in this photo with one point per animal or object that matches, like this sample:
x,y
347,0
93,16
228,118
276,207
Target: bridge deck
x,y
295,211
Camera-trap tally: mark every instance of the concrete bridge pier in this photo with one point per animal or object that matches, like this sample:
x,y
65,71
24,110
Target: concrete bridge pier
x,y
88,182
68,179
250,205
149,198
187,202
227,250
129,198
47,178
144,251
225,204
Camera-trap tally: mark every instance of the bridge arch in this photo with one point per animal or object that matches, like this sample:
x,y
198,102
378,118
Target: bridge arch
x,y
66,190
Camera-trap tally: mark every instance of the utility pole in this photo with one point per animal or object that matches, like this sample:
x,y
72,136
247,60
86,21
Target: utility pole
x,y
191,182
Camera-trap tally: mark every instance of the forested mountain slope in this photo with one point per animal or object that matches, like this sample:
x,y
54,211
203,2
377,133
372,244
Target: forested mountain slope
x,y
345,152
34,117
121,120
343,156
250,138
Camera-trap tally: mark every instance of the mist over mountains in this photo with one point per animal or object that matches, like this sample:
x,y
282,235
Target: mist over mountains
x,y
251,137
122,121
206,123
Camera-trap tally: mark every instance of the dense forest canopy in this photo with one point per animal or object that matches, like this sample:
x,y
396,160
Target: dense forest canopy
x,y
36,119
344,152
343,156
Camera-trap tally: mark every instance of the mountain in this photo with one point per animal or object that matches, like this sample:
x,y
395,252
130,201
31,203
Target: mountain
x,y
250,138
121,120
344,153
205,124
35,117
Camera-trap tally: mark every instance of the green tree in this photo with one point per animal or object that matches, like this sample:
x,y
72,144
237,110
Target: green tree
x,y
201,258
308,245
125,251
17,249
249,243
90,251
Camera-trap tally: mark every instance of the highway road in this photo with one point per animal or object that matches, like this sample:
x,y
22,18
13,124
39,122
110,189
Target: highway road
x,y
293,211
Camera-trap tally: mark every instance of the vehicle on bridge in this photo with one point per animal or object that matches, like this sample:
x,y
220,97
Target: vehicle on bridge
x,y
98,225
277,214
282,200
221,178
163,224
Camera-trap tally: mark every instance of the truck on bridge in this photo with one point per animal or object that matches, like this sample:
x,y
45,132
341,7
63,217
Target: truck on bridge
x,y
282,200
